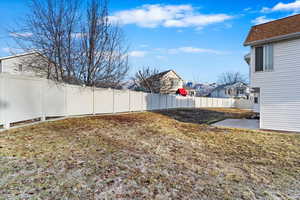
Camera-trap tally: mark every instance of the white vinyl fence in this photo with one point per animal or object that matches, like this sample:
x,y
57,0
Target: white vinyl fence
x,y
24,98
244,104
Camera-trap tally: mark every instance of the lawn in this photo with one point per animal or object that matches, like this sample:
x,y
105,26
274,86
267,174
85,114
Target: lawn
x,y
151,155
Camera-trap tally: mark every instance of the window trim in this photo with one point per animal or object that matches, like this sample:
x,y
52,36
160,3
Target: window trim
x,y
20,67
264,58
255,60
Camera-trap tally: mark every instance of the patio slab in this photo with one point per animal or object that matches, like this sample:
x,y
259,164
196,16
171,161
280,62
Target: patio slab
x,y
252,124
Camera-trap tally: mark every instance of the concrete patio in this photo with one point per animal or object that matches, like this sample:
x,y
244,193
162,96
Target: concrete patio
x,y
239,123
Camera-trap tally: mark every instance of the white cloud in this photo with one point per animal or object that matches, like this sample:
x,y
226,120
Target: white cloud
x,y
152,16
190,49
247,9
293,6
261,20
137,53
161,57
25,34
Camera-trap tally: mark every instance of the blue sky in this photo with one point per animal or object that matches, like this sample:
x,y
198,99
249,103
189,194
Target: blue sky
x,y
199,39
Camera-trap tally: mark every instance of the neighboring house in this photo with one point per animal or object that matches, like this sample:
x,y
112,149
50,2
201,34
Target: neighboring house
x,y
189,87
237,90
167,82
203,90
275,72
28,64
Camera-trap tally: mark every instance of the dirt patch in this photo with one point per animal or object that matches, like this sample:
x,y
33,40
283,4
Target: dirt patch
x,y
206,115
122,118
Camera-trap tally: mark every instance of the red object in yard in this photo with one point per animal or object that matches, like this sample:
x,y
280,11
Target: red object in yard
x,y
182,92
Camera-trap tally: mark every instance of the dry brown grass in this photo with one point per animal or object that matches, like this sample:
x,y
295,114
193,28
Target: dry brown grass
x,y
147,156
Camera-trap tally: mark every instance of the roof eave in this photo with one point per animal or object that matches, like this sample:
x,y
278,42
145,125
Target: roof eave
x,y
273,39
19,55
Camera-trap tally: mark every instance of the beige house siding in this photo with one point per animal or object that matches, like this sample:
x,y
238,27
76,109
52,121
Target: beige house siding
x,y
19,65
169,83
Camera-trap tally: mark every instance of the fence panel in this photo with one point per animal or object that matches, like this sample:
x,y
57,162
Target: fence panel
x,y
146,104
191,102
103,101
244,104
163,101
23,99
136,103
178,101
171,101
79,100
121,100
184,102
220,103
3,102
197,102
54,99
154,101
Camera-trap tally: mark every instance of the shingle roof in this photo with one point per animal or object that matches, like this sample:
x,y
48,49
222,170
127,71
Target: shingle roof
x,y
274,29
161,74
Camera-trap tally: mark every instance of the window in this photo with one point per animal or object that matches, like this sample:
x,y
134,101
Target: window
x,y
20,67
259,59
256,100
268,59
240,91
229,92
264,58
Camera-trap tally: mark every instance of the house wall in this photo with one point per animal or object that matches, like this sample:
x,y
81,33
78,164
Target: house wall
x,y
279,89
11,66
219,94
168,85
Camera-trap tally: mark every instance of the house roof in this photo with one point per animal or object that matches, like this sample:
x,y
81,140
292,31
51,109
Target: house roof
x,y
19,55
276,30
161,74
238,84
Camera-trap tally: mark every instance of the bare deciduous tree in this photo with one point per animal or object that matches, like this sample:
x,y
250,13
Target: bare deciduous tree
x,y
141,79
103,58
50,26
79,50
229,78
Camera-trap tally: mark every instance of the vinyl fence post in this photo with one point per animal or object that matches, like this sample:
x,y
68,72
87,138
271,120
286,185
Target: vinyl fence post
x,y
129,102
113,91
93,100
66,98
142,101
43,98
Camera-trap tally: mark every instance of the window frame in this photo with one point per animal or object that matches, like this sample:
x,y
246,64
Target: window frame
x,y
267,58
20,67
261,68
